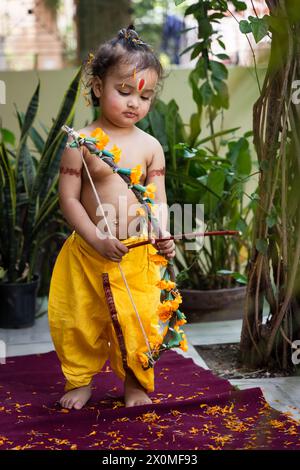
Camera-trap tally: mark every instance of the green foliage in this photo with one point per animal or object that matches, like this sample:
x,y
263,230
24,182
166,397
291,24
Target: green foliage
x,y
213,170
208,79
240,278
7,137
28,188
239,6
148,18
197,175
259,27
261,246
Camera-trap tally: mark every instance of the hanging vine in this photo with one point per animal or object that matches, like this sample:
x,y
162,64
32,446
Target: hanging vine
x,y
274,267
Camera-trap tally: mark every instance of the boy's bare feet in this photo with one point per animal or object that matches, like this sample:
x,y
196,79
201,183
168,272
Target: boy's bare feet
x,y
76,398
134,393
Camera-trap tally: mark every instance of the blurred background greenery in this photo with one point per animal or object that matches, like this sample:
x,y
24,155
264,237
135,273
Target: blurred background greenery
x,y
217,169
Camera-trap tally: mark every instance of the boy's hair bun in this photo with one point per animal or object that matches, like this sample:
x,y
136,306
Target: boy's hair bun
x,y
130,35
128,32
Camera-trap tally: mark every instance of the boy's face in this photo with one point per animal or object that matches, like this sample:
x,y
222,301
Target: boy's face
x,y
125,100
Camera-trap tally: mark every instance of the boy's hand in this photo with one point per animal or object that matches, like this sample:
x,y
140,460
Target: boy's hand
x,y
166,248
112,249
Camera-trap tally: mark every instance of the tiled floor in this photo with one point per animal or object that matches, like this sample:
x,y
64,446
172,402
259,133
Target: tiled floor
x,y
282,393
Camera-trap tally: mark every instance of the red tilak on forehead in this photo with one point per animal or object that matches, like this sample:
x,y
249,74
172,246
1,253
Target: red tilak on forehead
x,y
141,84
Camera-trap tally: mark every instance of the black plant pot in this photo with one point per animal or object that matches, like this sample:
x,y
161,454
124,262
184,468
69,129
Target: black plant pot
x,y
213,305
18,303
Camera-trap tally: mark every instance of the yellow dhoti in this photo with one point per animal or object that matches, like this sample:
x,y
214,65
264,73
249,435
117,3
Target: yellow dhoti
x,y
80,322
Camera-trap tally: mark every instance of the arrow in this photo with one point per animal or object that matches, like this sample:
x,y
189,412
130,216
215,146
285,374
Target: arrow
x,y
180,236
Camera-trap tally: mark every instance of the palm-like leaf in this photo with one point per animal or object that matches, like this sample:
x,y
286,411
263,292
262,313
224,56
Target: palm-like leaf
x,y
9,210
28,187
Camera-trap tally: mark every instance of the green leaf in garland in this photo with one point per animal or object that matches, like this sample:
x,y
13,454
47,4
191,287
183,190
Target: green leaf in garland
x,y
175,339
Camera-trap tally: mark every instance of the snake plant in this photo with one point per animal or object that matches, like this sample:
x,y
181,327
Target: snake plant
x,y
28,188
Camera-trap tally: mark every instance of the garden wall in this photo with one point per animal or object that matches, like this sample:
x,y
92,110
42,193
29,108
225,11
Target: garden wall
x,y
243,91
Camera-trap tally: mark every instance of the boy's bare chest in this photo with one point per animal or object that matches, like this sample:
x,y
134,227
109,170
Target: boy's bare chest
x,y
100,171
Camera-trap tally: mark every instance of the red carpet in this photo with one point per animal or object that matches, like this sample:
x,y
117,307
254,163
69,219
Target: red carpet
x,y
192,409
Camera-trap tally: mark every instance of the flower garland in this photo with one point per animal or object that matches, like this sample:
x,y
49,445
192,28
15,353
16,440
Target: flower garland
x,y
168,310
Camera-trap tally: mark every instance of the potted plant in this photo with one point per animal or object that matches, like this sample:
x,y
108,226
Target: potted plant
x,y
211,170
28,207
214,275
214,279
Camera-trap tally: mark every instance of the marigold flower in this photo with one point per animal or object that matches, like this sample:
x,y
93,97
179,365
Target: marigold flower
x,y
135,174
144,360
162,310
91,57
194,430
170,305
165,310
149,417
175,303
183,344
164,316
155,338
116,151
150,190
155,342
176,413
158,259
276,424
176,328
163,284
102,138
166,306
141,212
178,297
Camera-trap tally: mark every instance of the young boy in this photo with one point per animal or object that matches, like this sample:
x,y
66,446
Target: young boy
x,y
81,327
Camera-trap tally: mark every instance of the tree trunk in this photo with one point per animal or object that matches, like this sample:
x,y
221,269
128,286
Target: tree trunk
x,y
274,268
99,20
